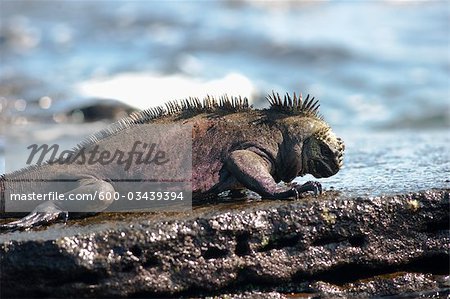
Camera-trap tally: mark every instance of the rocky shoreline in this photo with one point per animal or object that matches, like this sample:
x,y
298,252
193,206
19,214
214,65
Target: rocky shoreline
x,y
326,246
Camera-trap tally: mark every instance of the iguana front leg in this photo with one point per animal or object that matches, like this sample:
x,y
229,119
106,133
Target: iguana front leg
x,y
53,211
254,172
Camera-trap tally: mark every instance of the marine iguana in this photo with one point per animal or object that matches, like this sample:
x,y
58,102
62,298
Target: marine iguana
x,y
233,146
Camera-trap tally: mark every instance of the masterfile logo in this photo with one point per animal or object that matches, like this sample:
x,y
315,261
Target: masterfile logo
x,y
141,153
137,167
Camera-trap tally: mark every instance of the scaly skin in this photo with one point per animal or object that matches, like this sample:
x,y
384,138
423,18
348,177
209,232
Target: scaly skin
x,y
233,146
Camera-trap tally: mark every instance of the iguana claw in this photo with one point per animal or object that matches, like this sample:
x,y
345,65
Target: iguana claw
x,y
313,186
50,214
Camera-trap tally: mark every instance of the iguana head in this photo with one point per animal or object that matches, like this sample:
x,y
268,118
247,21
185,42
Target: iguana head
x,y
310,147
322,154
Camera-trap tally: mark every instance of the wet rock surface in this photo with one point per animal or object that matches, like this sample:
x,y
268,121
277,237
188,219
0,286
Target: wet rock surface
x,y
329,246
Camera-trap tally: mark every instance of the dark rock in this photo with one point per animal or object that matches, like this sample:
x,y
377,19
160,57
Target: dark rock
x,y
325,246
99,109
